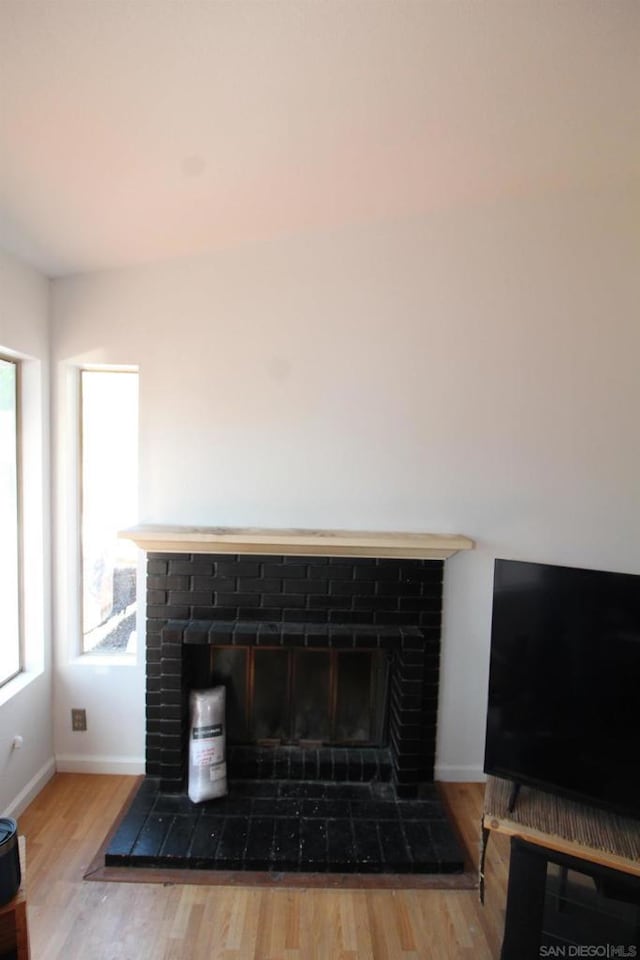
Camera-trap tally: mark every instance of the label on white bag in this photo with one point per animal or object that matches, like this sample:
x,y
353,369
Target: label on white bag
x,y
218,772
207,748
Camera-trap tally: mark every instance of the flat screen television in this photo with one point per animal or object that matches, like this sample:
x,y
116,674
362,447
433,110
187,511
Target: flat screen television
x,y
564,682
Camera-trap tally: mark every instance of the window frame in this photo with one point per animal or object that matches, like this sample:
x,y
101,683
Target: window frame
x,y
88,656
15,362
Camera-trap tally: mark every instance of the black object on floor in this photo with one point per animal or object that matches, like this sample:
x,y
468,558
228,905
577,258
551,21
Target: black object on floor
x,y
583,905
289,826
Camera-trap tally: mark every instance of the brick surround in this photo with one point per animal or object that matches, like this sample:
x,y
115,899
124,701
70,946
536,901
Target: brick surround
x,y
339,602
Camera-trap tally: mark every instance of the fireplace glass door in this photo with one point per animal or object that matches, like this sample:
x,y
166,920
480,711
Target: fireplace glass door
x,y
303,697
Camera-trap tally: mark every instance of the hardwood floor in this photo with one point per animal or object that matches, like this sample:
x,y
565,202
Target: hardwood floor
x,y
74,919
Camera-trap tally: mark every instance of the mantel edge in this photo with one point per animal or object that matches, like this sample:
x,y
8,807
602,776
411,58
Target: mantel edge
x,y
162,538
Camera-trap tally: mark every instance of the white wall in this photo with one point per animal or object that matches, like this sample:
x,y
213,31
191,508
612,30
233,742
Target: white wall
x,y
472,371
26,702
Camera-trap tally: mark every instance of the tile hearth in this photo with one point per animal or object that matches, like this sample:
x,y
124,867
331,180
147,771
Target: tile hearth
x,y
288,826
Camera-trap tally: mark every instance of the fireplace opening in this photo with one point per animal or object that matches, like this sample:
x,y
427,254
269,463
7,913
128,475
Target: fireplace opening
x,y
304,698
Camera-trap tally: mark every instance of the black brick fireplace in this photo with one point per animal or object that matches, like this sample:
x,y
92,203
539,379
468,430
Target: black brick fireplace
x,y
197,603
330,659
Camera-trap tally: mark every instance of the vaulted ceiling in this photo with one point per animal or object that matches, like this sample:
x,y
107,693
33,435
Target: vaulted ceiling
x,y
138,130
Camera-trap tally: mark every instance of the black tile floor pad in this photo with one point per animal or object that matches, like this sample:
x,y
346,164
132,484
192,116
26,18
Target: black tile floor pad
x,y
289,826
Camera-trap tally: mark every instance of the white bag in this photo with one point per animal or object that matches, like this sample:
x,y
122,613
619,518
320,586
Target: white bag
x,y
207,765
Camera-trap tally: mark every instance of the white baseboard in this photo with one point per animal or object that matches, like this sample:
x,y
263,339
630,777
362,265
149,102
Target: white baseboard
x,y
449,773
29,792
81,763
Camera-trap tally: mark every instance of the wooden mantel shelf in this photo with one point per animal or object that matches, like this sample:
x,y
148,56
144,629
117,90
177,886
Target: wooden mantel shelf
x,y
345,543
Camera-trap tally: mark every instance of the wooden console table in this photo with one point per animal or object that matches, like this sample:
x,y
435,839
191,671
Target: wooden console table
x,y
548,829
14,932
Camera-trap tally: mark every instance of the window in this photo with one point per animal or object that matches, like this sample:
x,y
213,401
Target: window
x,y
109,493
10,652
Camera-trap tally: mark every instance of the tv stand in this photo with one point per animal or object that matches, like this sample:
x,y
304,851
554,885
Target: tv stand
x,y
549,829
513,796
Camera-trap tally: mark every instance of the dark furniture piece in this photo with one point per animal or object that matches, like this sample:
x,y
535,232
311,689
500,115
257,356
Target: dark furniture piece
x,y
574,875
544,913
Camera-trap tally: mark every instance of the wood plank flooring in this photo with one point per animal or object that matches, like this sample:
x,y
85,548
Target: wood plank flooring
x,y
74,919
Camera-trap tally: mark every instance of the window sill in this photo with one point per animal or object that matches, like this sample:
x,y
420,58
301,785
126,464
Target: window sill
x,y
106,660
15,686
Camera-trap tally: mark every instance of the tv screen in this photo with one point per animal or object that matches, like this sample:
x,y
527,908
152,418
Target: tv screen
x,y
564,682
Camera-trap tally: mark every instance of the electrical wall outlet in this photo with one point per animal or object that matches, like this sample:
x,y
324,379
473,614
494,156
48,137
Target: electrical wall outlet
x,y
78,719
